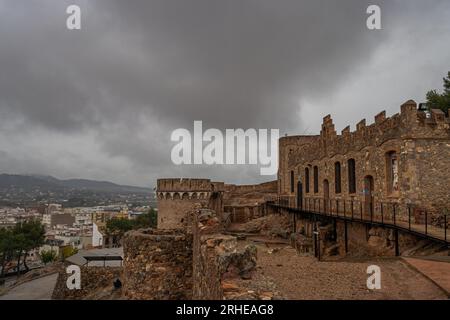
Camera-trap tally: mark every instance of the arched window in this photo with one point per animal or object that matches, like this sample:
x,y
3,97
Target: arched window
x,y
337,177
307,180
351,176
392,171
316,179
292,182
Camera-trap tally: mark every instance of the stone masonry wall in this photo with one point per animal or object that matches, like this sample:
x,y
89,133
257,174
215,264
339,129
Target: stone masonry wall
x,y
216,258
172,212
432,164
157,265
205,270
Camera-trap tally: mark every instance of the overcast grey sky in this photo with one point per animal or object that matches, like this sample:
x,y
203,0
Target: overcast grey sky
x,y
101,102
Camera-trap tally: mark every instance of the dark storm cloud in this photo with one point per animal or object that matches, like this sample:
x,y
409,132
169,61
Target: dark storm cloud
x,y
139,69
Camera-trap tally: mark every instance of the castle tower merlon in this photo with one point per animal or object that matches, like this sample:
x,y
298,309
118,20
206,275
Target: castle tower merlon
x,y
328,131
379,118
438,116
327,119
409,113
346,131
409,106
360,126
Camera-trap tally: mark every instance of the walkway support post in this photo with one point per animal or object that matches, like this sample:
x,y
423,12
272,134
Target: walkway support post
x,y
445,226
393,207
352,208
345,236
361,210
409,217
344,208
397,251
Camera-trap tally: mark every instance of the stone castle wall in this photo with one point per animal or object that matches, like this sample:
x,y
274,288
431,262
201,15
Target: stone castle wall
x,y
232,190
178,196
421,144
246,202
188,263
216,258
286,147
433,177
206,274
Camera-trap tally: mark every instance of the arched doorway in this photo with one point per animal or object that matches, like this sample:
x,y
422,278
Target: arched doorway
x,y
368,196
326,196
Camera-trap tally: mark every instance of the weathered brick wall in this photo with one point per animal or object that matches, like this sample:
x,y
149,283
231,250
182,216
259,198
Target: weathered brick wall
x,y
157,264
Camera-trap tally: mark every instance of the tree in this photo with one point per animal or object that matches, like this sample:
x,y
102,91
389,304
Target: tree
x,y
68,251
24,237
15,243
48,256
118,226
18,247
7,247
440,101
146,220
28,236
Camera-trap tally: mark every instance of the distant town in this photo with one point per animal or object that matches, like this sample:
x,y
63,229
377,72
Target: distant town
x,y
31,191
74,214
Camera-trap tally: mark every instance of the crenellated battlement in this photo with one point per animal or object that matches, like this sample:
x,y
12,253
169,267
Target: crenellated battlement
x,y
182,184
177,196
410,123
296,140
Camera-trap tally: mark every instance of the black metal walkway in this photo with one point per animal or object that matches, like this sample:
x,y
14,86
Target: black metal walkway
x,y
391,220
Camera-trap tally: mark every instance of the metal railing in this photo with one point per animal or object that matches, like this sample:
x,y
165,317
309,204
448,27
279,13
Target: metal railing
x,y
409,218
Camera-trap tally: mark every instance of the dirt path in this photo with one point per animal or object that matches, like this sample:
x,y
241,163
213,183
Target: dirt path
x,y
298,277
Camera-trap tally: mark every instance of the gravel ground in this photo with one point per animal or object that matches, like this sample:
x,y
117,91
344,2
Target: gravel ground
x,y
299,278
